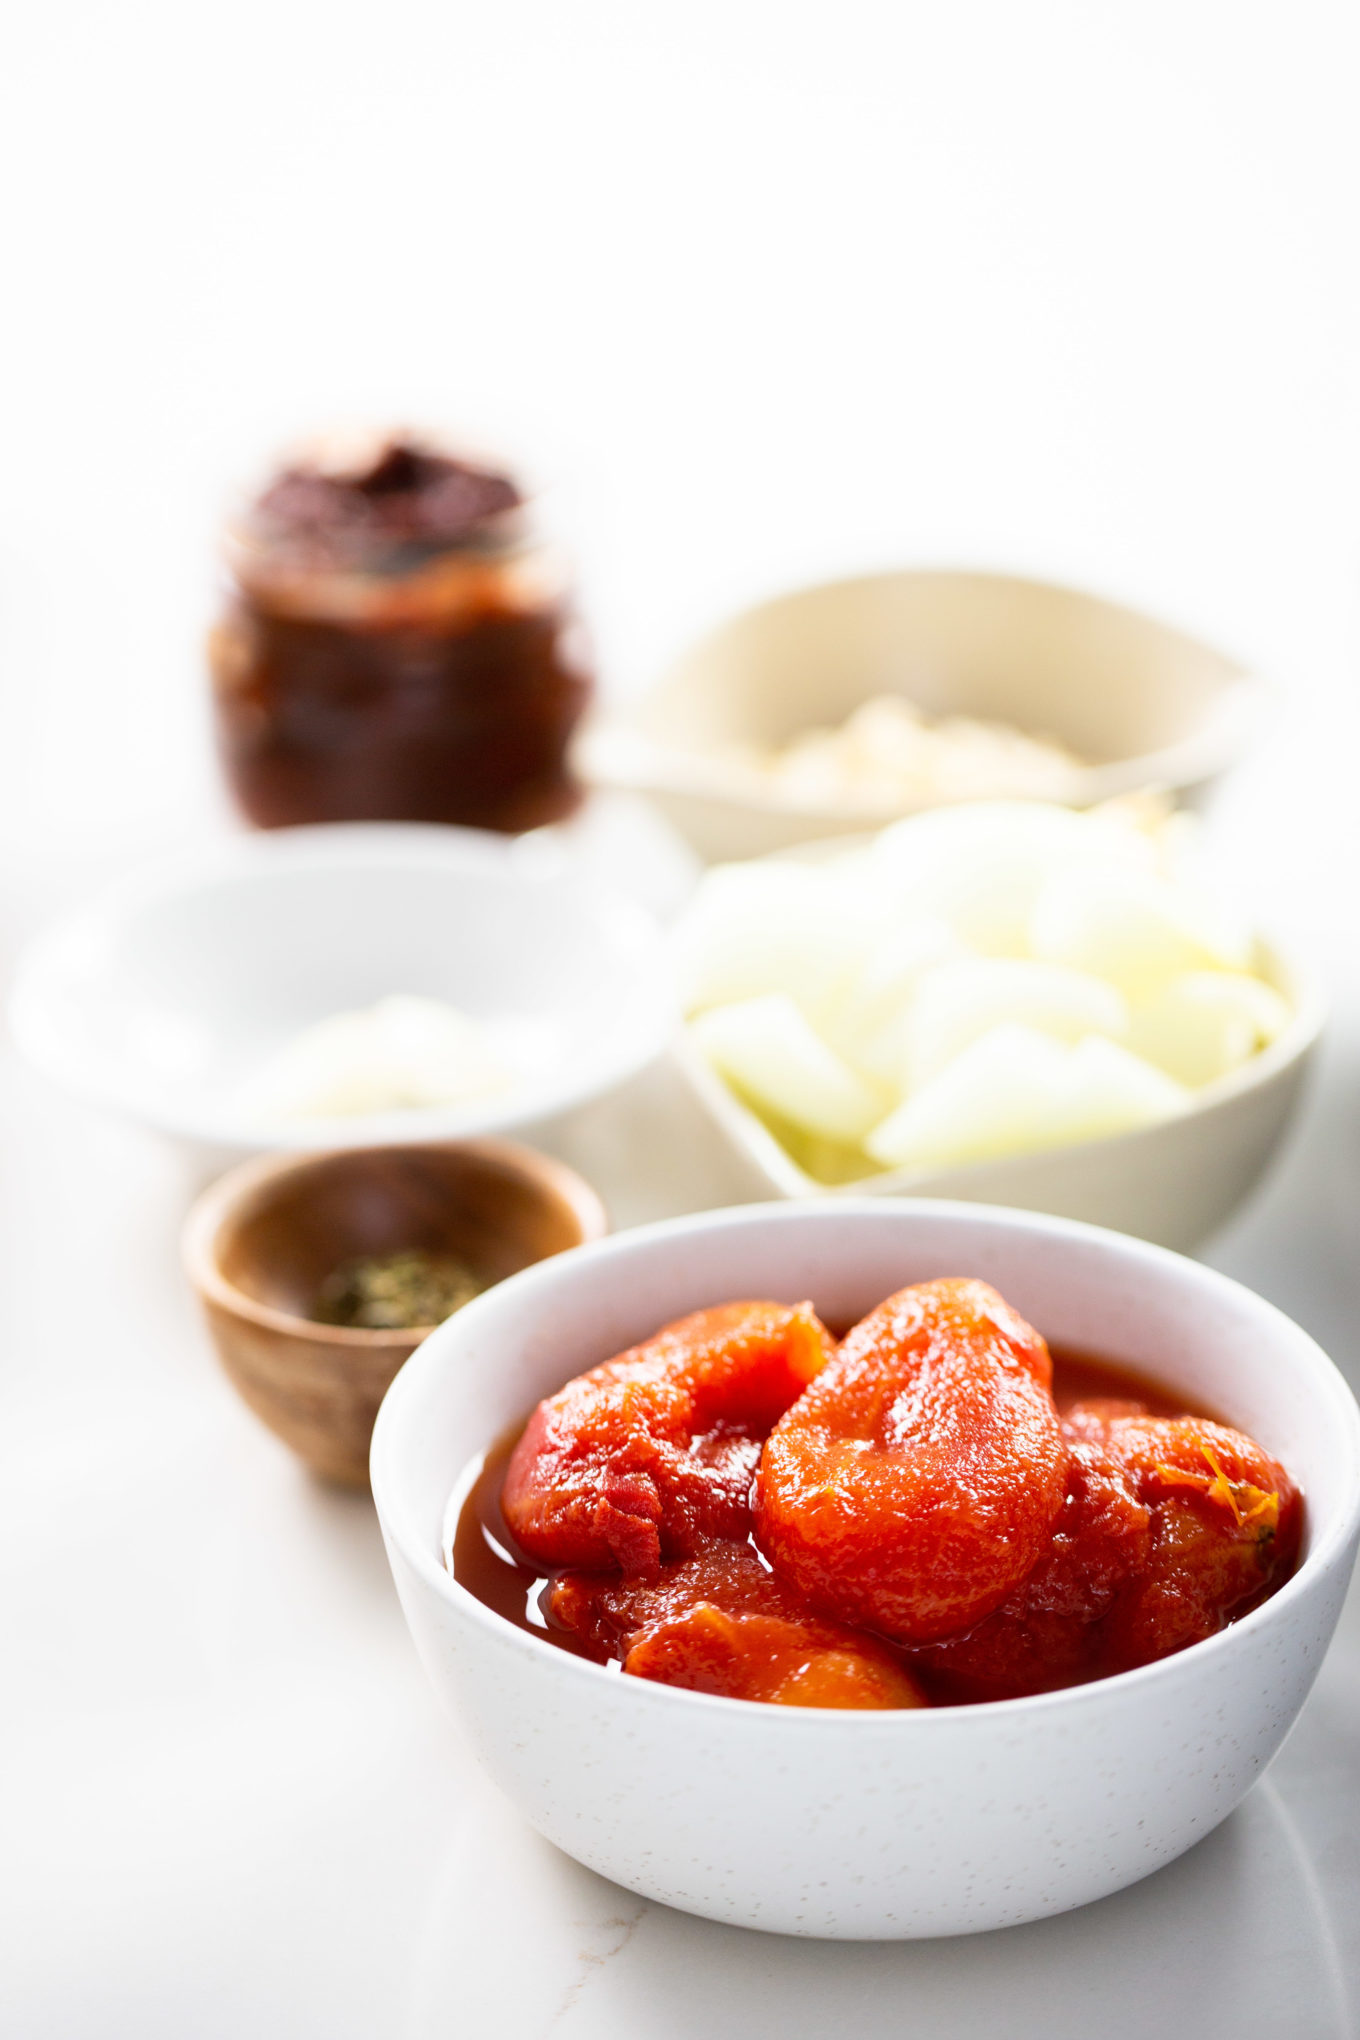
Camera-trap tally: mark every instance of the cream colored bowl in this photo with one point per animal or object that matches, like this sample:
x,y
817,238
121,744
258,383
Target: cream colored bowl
x,y
1146,705
1173,1183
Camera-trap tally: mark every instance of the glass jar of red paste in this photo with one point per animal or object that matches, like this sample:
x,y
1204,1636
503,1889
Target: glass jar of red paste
x,y
398,645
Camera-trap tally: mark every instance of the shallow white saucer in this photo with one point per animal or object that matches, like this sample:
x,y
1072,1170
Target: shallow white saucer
x,y
161,997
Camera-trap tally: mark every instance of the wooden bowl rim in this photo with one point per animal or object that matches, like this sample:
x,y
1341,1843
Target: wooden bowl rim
x,y
225,1198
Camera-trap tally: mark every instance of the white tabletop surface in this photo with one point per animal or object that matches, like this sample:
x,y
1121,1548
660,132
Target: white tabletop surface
x,y
230,1798
785,290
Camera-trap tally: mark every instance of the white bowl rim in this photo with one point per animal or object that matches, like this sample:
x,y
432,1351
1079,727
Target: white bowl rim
x,y
399,1524
337,847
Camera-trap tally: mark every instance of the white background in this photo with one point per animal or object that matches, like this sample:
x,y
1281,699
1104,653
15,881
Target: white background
x,y
774,290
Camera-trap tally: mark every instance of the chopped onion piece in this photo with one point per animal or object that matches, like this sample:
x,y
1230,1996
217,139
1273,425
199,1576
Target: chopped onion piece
x,y
1108,1090
1206,1023
868,1023
1131,927
768,1050
771,927
958,1002
1015,1090
980,868
998,1098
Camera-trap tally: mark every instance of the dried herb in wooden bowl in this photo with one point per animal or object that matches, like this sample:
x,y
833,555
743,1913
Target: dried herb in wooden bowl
x,y
392,1292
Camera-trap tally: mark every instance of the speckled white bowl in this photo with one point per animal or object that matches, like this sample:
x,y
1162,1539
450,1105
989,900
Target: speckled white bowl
x,y
895,1825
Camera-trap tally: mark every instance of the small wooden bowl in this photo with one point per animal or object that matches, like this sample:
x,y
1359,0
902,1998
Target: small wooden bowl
x,y
259,1243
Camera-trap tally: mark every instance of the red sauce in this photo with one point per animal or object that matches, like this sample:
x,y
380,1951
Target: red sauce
x,y
396,648
484,1557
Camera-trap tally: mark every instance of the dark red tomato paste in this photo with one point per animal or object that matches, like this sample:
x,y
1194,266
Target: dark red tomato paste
x,y
397,646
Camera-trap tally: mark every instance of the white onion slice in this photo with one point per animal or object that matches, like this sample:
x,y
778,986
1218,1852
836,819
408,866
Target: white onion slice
x,y
980,867
768,1050
959,1001
1015,1090
1207,1023
1131,927
771,927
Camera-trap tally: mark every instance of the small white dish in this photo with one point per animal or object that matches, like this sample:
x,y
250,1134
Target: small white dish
x,y
1173,1183
871,1826
162,998
1144,704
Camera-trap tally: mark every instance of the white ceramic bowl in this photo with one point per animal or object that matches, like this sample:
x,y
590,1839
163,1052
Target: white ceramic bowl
x,y
895,1825
1173,1183
161,997
1146,705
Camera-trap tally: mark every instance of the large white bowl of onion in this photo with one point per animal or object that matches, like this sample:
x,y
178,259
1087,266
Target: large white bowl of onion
x,y
1011,1002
